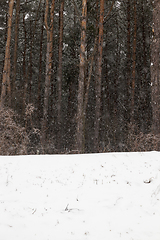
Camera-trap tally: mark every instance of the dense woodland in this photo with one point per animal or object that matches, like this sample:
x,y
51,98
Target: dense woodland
x,y
79,76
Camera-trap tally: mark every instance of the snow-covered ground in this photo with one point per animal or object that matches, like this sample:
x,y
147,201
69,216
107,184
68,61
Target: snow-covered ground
x,y
109,196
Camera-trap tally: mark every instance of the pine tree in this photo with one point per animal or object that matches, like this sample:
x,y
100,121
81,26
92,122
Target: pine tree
x,y
6,71
155,68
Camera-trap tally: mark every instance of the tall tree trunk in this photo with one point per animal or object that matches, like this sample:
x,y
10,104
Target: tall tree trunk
x,y
144,118
70,124
25,83
9,82
155,68
49,29
81,80
128,84
30,73
16,31
98,78
59,76
6,69
134,63
39,98
30,68
116,113
91,61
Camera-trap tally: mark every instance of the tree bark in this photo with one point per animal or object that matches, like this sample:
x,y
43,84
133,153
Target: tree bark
x,y
6,69
81,80
30,73
49,29
39,98
134,63
155,68
30,68
59,75
128,83
25,83
16,30
98,78
91,61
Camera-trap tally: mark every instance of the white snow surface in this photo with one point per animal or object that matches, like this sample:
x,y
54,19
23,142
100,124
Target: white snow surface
x,y
108,196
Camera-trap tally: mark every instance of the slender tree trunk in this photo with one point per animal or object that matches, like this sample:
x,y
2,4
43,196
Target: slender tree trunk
x,y
6,69
30,65
9,82
49,29
30,68
155,68
89,78
80,113
39,103
25,83
59,77
116,112
16,31
144,118
70,124
128,84
134,63
91,62
98,78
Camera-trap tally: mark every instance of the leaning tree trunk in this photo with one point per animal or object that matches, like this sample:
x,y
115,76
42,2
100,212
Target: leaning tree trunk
x,y
80,112
155,68
6,69
98,78
49,29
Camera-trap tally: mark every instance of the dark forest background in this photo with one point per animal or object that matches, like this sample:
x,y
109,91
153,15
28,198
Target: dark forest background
x,y
65,54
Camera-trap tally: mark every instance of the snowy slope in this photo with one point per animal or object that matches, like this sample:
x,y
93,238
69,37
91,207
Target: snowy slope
x,y
80,197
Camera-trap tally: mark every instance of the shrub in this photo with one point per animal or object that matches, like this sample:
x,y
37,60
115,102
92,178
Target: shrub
x,y
13,137
141,142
